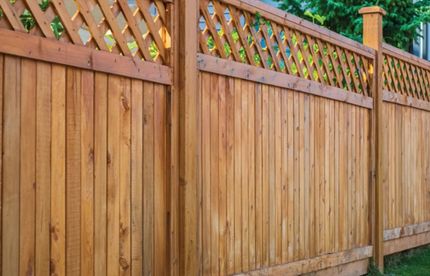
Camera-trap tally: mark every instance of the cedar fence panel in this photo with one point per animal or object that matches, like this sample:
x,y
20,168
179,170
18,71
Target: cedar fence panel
x,y
205,137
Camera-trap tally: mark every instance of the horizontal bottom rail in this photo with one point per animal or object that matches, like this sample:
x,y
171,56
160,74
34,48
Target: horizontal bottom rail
x,y
402,244
400,99
239,70
322,263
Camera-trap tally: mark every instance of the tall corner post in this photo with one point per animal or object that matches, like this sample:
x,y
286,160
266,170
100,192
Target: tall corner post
x,y
187,72
373,38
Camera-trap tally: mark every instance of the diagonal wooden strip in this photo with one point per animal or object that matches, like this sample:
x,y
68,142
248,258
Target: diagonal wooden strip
x,y
69,25
360,76
316,58
352,68
269,46
401,72
335,64
257,45
161,7
305,54
40,18
393,73
242,36
227,30
144,9
133,24
94,30
390,76
326,62
282,48
340,51
293,52
113,24
11,15
212,29
203,44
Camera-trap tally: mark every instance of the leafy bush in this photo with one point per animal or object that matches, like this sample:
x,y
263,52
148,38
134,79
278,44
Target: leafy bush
x,y
401,25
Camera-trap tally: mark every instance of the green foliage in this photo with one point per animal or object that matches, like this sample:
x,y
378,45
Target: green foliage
x,y
1,13
27,20
412,262
57,27
401,25
153,50
44,5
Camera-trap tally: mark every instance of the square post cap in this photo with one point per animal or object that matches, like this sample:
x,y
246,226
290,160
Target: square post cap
x,y
373,9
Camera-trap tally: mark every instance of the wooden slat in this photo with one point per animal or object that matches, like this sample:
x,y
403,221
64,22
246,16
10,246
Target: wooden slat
x,y
124,176
73,172
2,66
160,184
11,169
148,178
115,90
28,167
137,177
87,172
43,172
100,172
58,175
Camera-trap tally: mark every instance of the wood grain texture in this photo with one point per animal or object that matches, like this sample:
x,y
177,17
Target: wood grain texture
x,y
85,184
288,152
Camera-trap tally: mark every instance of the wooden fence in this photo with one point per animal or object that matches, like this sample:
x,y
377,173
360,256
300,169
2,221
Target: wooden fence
x,y
205,137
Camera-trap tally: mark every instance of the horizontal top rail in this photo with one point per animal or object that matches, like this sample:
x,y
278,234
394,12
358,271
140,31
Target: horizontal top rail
x,y
406,74
254,33
136,29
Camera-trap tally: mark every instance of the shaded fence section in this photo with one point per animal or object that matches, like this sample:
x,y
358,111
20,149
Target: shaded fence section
x,y
407,166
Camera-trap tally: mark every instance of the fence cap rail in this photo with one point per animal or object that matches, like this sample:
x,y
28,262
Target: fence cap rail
x,y
303,25
373,9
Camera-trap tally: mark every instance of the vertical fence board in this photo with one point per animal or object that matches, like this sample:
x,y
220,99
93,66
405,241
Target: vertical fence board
x,y
28,167
11,168
87,172
100,172
136,177
58,175
43,168
73,172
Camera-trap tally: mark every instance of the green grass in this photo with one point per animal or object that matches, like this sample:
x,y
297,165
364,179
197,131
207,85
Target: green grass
x,y
410,263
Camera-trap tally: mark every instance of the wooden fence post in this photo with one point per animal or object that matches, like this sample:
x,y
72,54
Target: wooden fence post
x,y
187,18
373,37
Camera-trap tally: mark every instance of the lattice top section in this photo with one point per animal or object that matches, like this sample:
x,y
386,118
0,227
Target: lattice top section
x,y
240,32
406,74
127,27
